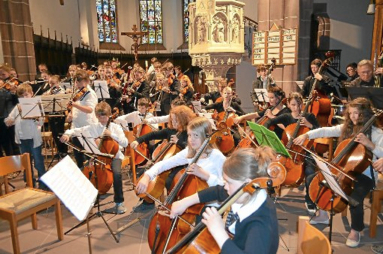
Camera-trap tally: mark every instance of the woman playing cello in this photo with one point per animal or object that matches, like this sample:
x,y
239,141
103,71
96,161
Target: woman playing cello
x,y
253,220
358,113
276,95
208,167
308,120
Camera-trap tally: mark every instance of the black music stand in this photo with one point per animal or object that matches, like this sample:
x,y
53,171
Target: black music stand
x,y
92,154
331,183
101,89
54,106
375,94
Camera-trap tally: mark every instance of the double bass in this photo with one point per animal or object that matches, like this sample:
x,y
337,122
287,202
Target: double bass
x,y
351,158
200,239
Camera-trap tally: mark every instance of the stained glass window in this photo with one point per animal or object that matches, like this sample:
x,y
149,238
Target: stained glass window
x,y
107,21
185,15
151,21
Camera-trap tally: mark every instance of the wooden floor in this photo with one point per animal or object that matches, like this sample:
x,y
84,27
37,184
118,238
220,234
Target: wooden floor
x,y
133,239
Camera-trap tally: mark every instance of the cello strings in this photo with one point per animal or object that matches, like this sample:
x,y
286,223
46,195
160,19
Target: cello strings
x,y
327,163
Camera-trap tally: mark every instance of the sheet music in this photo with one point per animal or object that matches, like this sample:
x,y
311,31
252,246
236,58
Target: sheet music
x,y
261,95
66,85
196,106
330,179
90,145
101,89
31,107
61,102
71,186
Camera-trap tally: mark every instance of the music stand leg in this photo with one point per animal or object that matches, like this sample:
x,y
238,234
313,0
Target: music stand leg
x,y
331,217
88,234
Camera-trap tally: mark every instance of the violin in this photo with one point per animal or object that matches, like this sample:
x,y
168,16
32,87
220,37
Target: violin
x,y
77,97
351,158
10,83
101,174
200,240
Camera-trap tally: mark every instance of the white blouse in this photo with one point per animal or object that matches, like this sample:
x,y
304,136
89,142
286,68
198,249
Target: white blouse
x,y
212,164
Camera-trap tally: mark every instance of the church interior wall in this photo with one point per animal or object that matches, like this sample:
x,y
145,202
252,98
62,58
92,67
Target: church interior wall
x,y
350,29
51,15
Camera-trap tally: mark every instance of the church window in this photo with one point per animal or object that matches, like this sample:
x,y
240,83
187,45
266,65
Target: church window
x,y
151,21
107,21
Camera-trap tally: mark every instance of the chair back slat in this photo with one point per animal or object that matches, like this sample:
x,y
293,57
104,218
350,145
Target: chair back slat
x,y
14,163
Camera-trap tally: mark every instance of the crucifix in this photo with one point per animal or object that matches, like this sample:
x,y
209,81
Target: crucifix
x,y
136,36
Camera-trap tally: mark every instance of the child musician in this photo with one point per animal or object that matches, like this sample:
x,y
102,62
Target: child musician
x,y
358,113
82,113
27,133
209,165
98,130
136,117
308,120
253,219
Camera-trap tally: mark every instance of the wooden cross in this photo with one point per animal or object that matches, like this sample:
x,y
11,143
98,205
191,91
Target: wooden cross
x,y
136,36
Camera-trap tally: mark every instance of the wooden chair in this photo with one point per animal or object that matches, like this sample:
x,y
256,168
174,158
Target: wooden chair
x,y
377,198
17,205
310,239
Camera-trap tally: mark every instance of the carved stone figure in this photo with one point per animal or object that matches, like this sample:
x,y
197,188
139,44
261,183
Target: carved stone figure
x,y
201,25
218,30
235,31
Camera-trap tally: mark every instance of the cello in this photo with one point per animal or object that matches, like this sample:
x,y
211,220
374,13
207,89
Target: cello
x,y
156,186
200,239
101,174
294,166
142,148
171,231
223,138
351,159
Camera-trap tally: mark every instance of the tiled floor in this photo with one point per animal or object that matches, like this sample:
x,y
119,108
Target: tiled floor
x,y
133,239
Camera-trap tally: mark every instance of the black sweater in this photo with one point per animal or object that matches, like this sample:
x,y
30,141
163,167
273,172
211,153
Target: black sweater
x,y
287,119
258,233
219,107
165,134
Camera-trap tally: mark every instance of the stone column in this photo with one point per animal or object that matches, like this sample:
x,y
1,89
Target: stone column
x,y
377,37
17,37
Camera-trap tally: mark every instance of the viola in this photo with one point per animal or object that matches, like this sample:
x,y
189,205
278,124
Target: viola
x,y
351,158
294,165
101,174
200,239
172,231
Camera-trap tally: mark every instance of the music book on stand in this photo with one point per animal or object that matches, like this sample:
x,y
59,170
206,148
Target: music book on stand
x,y
261,95
55,103
71,186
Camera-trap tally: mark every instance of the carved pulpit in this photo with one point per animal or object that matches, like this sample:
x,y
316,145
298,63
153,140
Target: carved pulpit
x,y
136,36
216,37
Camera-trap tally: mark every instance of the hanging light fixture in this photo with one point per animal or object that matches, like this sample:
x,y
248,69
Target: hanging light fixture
x,y
371,8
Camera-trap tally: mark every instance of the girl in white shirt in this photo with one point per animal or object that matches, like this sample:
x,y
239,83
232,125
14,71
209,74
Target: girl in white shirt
x,y
208,167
